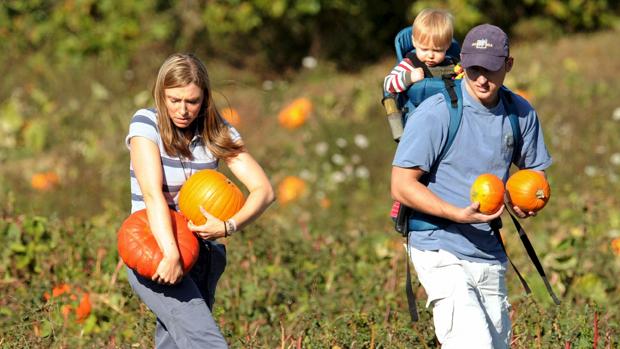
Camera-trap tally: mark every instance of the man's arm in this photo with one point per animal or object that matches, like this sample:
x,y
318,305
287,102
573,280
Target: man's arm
x,y
407,189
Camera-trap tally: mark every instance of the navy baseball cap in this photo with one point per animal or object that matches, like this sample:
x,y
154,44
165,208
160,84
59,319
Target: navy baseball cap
x,y
485,46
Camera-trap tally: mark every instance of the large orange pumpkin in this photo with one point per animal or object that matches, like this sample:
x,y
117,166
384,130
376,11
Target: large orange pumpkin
x,y
139,250
528,190
488,190
214,192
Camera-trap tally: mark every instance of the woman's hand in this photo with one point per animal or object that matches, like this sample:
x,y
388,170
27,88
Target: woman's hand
x,y
212,229
169,271
472,214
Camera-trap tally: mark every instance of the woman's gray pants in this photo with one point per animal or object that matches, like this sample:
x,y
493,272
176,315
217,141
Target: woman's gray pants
x,y
183,311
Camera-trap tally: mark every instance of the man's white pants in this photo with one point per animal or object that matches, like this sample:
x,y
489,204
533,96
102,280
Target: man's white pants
x,y
469,299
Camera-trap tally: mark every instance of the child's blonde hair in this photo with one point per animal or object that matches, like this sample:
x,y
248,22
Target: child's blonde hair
x,y
433,26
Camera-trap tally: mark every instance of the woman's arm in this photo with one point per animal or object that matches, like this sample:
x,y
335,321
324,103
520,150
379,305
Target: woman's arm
x,y
407,189
260,196
146,163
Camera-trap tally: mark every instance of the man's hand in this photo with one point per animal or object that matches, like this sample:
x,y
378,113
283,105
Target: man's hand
x,y
472,214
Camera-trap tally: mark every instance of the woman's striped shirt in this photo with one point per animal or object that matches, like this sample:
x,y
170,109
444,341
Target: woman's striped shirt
x,y
175,170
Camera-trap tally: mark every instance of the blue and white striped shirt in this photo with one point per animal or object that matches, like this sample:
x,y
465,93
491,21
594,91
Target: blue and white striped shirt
x,y
175,170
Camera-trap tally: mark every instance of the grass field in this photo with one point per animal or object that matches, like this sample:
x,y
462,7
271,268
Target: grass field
x,y
324,270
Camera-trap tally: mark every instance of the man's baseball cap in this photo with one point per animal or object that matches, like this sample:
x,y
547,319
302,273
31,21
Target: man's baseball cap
x,y
485,46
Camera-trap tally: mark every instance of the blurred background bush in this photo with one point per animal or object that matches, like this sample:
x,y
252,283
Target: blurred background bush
x,y
269,35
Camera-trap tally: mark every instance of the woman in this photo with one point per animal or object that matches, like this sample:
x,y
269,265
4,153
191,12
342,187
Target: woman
x,y
182,135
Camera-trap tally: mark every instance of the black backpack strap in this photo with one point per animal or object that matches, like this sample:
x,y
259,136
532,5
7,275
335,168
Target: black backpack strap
x,y
413,311
419,64
496,225
513,116
534,258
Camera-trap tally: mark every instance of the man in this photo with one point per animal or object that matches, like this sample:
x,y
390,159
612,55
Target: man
x,y
460,263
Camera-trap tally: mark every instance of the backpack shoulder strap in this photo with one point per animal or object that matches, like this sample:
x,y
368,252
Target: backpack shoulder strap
x,y
454,99
507,98
419,64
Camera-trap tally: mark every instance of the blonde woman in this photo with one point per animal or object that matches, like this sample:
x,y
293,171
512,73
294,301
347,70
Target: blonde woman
x,y
183,134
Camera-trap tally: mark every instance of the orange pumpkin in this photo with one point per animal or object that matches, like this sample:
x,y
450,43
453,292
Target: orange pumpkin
x,y
523,93
528,190
290,189
488,190
615,246
214,192
295,114
44,181
139,250
231,115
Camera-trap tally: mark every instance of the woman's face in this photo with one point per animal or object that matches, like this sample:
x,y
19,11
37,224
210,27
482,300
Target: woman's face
x,y
183,104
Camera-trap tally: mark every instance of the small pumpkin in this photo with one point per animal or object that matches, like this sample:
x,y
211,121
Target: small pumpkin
x,y
528,190
524,93
290,189
615,246
139,249
232,116
66,294
212,190
44,181
295,114
488,190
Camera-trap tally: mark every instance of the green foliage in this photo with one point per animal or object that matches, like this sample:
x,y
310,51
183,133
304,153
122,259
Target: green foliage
x,y
272,35
59,30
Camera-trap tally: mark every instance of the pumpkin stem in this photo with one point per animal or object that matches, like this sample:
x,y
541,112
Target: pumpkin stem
x,y
540,194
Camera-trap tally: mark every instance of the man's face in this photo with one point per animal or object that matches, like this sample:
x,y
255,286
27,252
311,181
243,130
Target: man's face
x,y
484,84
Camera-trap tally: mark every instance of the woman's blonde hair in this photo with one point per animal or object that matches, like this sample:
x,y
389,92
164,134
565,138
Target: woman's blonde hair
x,y
433,26
181,70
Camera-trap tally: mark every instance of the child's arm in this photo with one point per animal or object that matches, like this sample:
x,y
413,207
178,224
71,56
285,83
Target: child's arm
x,y
402,76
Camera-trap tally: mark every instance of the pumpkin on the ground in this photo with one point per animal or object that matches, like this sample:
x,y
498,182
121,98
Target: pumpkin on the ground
x,y
212,190
232,116
528,190
488,190
295,114
290,189
139,249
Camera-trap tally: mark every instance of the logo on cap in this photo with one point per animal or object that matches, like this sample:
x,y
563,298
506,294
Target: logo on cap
x,y
482,44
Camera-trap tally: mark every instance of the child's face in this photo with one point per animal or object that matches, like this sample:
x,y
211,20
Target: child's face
x,y
429,53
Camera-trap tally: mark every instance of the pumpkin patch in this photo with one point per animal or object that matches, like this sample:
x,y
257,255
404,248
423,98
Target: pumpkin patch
x,y
139,249
528,190
212,190
488,190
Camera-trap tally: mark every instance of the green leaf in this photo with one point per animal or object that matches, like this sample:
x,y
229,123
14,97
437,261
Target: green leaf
x,y
46,328
17,247
591,286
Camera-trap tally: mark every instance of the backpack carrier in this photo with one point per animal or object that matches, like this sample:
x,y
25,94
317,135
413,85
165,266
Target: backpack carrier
x,y
399,107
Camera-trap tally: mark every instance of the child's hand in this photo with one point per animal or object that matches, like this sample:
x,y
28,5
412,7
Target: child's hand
x,y
417,74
